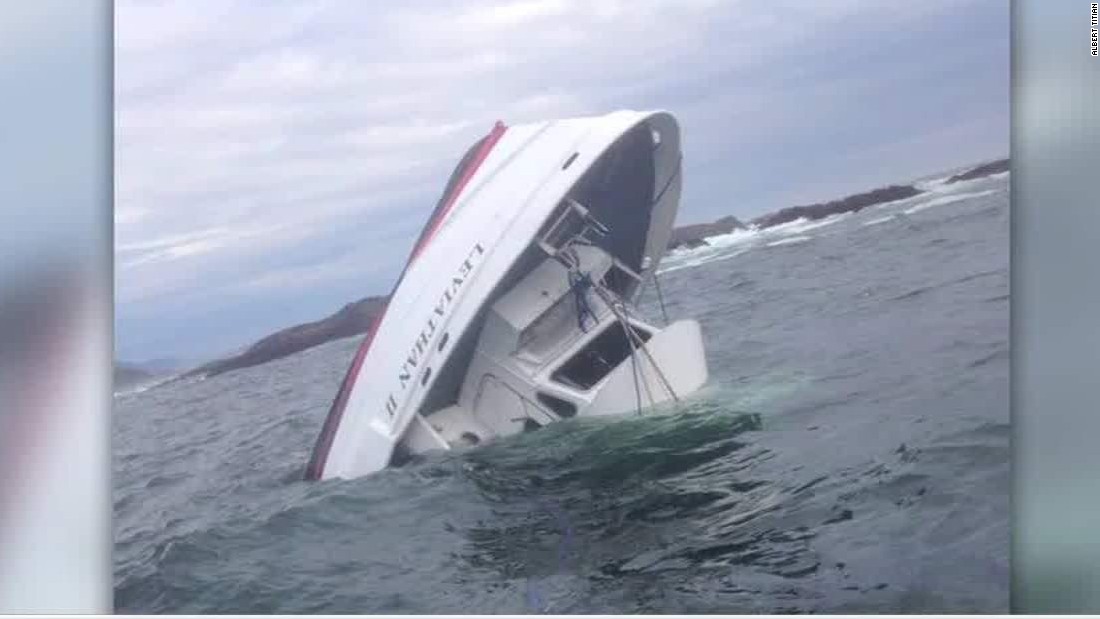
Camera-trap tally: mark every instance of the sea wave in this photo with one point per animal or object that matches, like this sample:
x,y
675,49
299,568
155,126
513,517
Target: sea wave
x,y
143,387
701,260
950,199
792,240
878,220
824,469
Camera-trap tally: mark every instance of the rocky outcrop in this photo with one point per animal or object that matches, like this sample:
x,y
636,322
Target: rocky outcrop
x,y
989,169
129,376
850,204
353,319
695,235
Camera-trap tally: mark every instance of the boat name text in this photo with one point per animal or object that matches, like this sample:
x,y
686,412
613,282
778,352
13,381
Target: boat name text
x,y
446,300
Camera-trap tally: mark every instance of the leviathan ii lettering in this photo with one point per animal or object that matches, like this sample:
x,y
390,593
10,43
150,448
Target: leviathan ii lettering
x,y
446,300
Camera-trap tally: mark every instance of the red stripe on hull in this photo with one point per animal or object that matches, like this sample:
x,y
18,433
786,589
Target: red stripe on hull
x,y
483,154
316,467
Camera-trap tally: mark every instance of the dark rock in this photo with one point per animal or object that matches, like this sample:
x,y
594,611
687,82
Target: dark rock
x,y
840,516
989,169
353,319
849,204
694,243
695,235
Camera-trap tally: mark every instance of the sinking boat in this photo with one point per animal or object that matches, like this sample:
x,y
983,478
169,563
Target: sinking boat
x,y
516,306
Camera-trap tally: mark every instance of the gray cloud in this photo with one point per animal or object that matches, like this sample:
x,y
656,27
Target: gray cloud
x,y
273,152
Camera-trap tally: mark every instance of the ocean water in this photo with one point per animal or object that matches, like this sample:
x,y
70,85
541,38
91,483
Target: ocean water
x,y
850,454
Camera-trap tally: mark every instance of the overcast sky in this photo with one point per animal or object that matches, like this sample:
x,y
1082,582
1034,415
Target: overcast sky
x,y
275,159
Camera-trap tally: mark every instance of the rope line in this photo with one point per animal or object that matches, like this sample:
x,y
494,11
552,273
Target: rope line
x,y
660,297
580,283
619,309
637,343
634,372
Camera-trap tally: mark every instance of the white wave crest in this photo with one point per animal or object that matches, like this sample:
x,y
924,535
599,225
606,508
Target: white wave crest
x,y
878,220
791,240
945,200
701,260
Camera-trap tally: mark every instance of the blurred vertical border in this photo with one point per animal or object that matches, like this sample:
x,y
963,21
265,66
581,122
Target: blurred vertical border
x,y
56,131
56,127
1055,308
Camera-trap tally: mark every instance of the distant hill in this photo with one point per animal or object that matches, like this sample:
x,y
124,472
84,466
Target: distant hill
x,y
352,319
989,169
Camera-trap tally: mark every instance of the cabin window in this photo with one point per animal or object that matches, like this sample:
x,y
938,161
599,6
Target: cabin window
x,y
426,376
443,341
596,360
618,281
560,407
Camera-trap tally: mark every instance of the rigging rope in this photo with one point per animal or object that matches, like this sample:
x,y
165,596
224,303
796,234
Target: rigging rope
x,y
637,343
619,309
634,372
660,297
580,283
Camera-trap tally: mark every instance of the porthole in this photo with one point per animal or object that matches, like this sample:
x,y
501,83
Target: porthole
x,y
560,407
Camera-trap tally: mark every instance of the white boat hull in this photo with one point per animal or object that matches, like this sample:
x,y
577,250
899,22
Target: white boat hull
x,y
410,383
